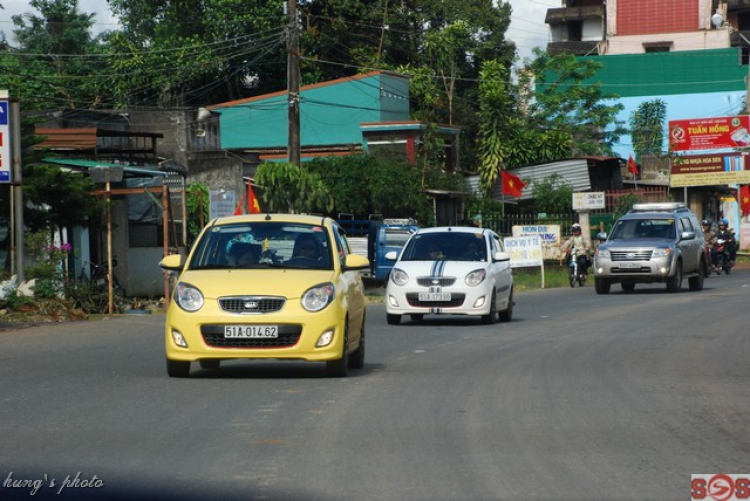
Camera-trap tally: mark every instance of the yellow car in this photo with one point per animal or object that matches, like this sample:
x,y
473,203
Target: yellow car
x,y
267,286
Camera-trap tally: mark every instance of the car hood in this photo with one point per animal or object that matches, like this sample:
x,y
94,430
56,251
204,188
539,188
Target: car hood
x,y
637,243
289,283
456,269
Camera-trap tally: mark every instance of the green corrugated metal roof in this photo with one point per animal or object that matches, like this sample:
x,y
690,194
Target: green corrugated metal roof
x,y
330,113
152,170
668,73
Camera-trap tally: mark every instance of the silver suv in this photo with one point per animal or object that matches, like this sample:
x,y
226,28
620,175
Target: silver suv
x,y
660,242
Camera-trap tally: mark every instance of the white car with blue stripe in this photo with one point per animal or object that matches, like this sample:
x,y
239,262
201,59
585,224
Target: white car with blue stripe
x,y
451,270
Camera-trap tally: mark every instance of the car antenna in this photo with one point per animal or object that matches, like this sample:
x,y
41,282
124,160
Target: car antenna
x,y
268,216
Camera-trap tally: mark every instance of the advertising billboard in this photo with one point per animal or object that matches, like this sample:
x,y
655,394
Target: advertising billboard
x,y
709,133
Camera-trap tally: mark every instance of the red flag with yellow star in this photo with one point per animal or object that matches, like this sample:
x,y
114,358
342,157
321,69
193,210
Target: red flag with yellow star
x,y
253,207
512,184
745,199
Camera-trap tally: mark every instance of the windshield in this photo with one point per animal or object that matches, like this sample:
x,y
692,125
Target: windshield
x,y
453,246
630,229
263,245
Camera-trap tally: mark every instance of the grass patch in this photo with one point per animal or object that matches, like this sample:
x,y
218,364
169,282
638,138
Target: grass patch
x,y
530,278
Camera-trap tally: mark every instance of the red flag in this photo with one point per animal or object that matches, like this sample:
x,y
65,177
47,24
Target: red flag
x,y
632,167
252,203
745,199
239,210
512,184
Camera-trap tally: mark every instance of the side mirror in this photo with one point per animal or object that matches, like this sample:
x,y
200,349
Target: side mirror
x,y
173,262
356,262
687,235
501,256
601,236
391,256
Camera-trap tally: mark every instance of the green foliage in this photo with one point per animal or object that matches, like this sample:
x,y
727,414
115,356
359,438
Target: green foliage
x,y
198,203
569,101
552,195
364,184
48,70
47,263
495,107
289,188
624,204
647,127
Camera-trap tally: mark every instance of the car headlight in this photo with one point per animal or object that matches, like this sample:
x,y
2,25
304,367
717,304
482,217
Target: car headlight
x,y
661,252
603,253
399,277
475,278
318,297
188,297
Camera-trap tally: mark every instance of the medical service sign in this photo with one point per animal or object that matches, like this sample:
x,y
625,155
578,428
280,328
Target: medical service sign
x,y
524,251
5,159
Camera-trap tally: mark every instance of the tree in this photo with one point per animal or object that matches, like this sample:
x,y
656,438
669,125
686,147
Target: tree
x,y
552,195
365,184
57,64
289,188
495,112
647,127
567,100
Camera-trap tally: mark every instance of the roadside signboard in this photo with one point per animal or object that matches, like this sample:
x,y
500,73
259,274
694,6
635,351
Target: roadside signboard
x,y
588,201
709,170
5,159
549,236
524,251
222,203
709,133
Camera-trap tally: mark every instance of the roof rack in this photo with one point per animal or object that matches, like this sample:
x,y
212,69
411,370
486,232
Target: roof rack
x,y
659,207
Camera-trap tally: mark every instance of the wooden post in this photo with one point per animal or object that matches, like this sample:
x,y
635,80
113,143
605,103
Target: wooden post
x,y
109,246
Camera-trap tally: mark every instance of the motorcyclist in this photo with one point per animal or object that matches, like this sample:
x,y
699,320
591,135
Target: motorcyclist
x,y
709,236
581,246
726,234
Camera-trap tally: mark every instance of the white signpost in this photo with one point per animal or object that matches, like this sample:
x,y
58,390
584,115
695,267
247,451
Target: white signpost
x,y
5,159
588,201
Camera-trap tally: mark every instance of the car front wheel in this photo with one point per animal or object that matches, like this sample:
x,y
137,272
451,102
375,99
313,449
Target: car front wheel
x,y
601,286
674,283
394,319
340,366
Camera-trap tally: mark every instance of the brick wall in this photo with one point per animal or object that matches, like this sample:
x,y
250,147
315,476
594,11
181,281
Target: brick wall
x,y
643,17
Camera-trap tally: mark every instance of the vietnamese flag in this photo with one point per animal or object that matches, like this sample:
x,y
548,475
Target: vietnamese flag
x,y
632,167
512,184
745,199
252,203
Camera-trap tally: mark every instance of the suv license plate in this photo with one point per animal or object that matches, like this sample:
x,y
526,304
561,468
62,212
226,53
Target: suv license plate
x,y
251,331
434,296
630,265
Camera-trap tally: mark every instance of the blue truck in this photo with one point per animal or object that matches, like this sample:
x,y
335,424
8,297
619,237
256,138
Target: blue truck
x,y
374,238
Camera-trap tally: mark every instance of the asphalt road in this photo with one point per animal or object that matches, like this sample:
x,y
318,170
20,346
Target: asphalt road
x,y
581,397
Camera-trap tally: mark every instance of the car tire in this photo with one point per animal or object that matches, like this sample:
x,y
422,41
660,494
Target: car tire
x,y
628,286
492,316
340,366
696,282
393,319
357,358
674,283
507,314
417,317
210,363
178,368
601,286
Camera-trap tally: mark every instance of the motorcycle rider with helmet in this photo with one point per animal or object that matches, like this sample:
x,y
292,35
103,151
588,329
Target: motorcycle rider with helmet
x,y
709,236
581,246
726,234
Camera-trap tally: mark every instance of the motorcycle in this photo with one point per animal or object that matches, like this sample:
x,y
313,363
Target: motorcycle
x,y
576,273
723,263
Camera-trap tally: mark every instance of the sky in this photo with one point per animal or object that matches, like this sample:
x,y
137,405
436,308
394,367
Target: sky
x,y
527,28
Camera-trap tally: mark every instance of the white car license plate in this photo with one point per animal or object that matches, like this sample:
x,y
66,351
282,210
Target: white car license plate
x,y
630,265
434,296
251,331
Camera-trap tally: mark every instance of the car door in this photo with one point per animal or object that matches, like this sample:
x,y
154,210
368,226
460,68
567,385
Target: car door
x,y
501,270
690,248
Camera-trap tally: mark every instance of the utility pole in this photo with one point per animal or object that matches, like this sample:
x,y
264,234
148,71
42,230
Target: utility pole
x,y
293,77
